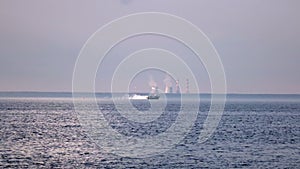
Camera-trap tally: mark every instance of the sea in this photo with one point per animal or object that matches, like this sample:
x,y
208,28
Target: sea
x,y
44,130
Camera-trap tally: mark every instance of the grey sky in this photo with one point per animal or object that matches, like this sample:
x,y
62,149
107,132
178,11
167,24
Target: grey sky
x,y
258,42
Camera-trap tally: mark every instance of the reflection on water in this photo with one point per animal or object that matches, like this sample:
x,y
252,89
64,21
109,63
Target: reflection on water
x,y
46,133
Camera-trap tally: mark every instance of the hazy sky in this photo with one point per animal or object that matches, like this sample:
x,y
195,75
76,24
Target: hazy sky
x,y
258,42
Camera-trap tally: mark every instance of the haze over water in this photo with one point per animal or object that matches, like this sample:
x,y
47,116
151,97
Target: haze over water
x,y
56,56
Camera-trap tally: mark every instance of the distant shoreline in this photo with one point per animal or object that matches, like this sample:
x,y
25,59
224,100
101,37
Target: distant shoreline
x,y
64,92
36,94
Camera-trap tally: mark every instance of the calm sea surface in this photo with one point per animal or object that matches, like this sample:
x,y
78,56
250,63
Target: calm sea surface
x,y
41,130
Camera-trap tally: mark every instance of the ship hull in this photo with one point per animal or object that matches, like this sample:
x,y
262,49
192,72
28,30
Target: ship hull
x,y
153,97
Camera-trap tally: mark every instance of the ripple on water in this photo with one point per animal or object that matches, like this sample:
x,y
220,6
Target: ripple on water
x,y
47,134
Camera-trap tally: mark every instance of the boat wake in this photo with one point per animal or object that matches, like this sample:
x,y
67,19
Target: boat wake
x,y
138,97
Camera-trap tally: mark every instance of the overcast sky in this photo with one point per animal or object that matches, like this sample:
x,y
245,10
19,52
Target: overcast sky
x,y
258,42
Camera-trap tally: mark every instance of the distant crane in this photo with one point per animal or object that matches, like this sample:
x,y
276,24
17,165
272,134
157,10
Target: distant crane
x,y
187,90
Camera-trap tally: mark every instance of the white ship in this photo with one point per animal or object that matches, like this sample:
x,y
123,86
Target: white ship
x,y
153,97
154,93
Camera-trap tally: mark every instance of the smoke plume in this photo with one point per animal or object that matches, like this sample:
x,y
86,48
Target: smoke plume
x,y
168,81
152,82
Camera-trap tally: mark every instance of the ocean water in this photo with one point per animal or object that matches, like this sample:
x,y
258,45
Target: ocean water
x,y
42,130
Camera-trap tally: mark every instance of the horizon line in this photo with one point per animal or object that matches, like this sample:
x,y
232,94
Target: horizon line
x,y
229,93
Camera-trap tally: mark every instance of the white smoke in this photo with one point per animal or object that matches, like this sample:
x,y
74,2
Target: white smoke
x,y
168,81
152,82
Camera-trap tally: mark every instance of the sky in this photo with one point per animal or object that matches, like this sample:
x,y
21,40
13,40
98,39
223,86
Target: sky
x,y
258,42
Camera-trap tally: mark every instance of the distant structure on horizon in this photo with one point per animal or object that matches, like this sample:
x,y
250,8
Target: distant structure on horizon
x,y
187,90
168,89
177,87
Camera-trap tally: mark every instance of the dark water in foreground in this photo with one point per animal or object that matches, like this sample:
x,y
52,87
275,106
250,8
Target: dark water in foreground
x,y
45,133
